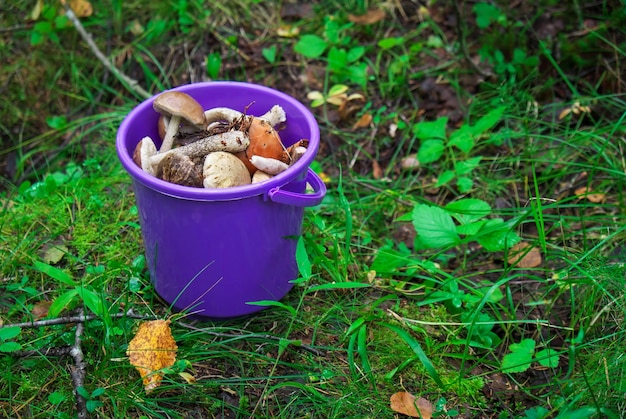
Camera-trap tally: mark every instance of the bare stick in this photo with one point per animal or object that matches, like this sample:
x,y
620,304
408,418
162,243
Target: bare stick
x,y
132,83
81,318
77,372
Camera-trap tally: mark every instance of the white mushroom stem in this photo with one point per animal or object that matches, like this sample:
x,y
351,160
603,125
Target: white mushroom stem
x,y
269,166
172,130
231,141
148,149
221,114
275,116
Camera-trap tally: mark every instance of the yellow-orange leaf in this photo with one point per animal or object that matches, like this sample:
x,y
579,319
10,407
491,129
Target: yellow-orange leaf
x,y
152,349
407,404
81,8
364,121
523,255
584,192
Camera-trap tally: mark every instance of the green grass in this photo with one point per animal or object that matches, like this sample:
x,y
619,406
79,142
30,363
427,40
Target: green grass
x,y
444,320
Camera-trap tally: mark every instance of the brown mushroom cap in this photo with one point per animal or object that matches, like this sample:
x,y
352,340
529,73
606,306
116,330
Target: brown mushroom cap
x,y
264,142
182,105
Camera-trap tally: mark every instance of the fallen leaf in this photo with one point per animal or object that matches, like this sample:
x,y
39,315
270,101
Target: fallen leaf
x,y
288,31
36,12
583,192
370,17
40,310
152,349
364,121
377,171
52,253
523,257
406,403
81,8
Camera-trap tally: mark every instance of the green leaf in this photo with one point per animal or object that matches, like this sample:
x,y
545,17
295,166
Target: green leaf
x,y
435,227
269,54
388,260
520,356
430,151
582,413
471,229
311,46
10,347
547,358
54,273
463,139
427,130
468,210
93,301
56,397
444,178
9,332
355,53
486,13
488,121
337,60
498,236
465,167
213,65
302,259
464,184
388,43
61,302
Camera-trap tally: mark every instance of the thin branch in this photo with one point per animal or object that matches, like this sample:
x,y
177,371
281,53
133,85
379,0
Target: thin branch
x,y
81,318
77,372
131,83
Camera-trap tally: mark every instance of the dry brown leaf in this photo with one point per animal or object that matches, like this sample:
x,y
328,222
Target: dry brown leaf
x,y
40,310
406,403
377,171
81,8
152,349
523,255
370,17
364,121
52,253
583,192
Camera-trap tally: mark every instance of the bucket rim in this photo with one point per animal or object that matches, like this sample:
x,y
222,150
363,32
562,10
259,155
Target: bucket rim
x,y
298,169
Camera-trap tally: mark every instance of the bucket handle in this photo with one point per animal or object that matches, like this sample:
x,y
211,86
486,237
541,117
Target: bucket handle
x,y
299,199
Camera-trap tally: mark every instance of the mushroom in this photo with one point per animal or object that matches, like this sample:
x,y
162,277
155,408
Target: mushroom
x,y
260,176
264,142
223,170
180,169
178,106
269,165
144,150
275,115
231,141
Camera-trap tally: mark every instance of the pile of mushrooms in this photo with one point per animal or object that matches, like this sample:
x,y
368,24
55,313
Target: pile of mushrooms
x,y
214,148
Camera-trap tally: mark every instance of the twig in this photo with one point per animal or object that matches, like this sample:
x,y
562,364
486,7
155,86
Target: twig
x,y
77,372
251,335
81,318
131,83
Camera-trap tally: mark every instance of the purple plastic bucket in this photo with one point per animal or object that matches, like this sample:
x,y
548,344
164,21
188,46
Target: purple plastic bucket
x,y
212,251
